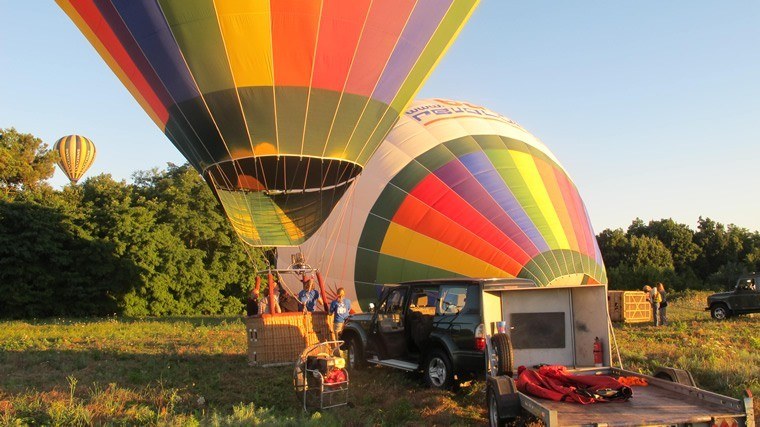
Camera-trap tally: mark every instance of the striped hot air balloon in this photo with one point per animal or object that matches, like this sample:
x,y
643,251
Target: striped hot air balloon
x,y
457,190
278,103
75,155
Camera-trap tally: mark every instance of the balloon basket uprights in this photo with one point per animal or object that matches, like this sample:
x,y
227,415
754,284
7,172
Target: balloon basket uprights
x,y
300,269
278,339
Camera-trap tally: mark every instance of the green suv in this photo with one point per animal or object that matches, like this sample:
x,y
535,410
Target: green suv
x,y
433,326
743,299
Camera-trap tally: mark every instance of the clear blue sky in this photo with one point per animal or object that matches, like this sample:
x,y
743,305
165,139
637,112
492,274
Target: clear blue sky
x,y
652,106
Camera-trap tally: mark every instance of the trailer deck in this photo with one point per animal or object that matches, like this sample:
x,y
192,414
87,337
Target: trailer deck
x,y
659,403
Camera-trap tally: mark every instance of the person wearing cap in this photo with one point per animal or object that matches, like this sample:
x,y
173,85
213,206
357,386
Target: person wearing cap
x,y
309,297
654,299
341,308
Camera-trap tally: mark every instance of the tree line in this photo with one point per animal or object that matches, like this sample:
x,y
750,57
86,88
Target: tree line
x,y
711,257
157,246
162,246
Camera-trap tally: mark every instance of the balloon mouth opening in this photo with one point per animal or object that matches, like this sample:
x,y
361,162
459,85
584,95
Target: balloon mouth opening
x,y
282,175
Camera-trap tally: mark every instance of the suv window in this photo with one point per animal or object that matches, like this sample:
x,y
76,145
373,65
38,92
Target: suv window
x,y
747,284
395,301
425,297
453,298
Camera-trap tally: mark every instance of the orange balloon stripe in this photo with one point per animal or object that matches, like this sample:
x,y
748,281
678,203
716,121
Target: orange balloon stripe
x,y
436,194
555,195
339,33
294,34
574,202
415,215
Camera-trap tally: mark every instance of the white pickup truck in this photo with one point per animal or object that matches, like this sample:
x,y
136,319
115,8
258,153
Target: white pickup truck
x,y
558,326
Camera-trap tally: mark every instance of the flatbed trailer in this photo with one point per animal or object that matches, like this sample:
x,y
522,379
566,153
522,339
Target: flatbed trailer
x,y
662,402
558,326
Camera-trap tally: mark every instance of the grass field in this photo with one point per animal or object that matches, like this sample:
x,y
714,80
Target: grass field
x,y
193,371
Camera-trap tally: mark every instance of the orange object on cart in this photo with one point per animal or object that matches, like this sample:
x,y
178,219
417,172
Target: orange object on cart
x,y
633,381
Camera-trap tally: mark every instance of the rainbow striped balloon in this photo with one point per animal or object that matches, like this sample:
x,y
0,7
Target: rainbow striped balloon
x,y
278,103
75,155
458,190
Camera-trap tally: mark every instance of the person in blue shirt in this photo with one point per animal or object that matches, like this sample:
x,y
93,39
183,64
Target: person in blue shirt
x,y
309,297
341,308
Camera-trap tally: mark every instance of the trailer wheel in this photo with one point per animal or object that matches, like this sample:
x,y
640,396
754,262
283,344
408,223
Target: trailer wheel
x,y
502,346
494,418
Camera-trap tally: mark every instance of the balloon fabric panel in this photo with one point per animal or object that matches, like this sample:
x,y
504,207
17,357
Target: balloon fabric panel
x,y
244,88
450,201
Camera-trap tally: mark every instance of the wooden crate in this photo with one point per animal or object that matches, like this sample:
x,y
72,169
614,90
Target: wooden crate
x,y
275,339
629,306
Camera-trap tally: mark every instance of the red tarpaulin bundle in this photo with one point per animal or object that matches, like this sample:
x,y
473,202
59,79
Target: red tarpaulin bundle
x,y
555,383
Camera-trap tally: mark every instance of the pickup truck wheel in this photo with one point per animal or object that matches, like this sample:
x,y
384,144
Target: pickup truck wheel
x,y
494,418
719,312
502,346
439,371
355,354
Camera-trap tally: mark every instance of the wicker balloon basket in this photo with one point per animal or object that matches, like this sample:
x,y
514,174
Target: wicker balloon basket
x,y
278,339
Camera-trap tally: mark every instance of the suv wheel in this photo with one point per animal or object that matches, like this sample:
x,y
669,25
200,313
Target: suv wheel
x,y
439,371
355,360
719,312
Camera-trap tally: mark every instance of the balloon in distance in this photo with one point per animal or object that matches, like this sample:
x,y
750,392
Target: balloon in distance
x,y
75,155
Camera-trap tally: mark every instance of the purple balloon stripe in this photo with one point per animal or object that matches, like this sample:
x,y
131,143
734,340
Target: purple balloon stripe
x,y
149,28
420,28
119,28
461,180
483,170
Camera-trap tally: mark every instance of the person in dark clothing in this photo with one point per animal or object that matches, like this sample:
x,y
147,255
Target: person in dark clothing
x,y
288,302
252,304
663,304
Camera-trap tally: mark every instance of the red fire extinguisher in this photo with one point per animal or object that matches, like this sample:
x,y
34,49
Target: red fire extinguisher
x,y
597,352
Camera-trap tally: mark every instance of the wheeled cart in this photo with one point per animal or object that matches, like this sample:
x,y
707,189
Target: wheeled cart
x,y
320,378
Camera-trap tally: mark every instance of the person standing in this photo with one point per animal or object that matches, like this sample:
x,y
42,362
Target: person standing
x,y
663,304
654,299
341,308
264,303
309,297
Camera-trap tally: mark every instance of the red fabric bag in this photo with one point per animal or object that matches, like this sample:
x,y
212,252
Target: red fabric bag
x,y
555,383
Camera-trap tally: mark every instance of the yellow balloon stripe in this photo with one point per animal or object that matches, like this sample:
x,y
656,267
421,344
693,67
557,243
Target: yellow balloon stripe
x,y
529,172
558,202
247,27
404,243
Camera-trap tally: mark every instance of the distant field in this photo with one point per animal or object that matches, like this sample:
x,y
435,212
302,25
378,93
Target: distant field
x,y
193,371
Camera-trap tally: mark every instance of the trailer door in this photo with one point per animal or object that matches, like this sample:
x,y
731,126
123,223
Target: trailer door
x,y
540,322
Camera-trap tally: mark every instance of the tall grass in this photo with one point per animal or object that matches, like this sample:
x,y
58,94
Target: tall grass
x,y
193,371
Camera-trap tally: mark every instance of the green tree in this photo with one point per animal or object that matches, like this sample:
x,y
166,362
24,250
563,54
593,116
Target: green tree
x,y
50,265
677,238
614,246
25,161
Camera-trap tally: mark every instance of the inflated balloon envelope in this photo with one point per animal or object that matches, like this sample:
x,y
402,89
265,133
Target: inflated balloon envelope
x,y
457,190
75,155
278,103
